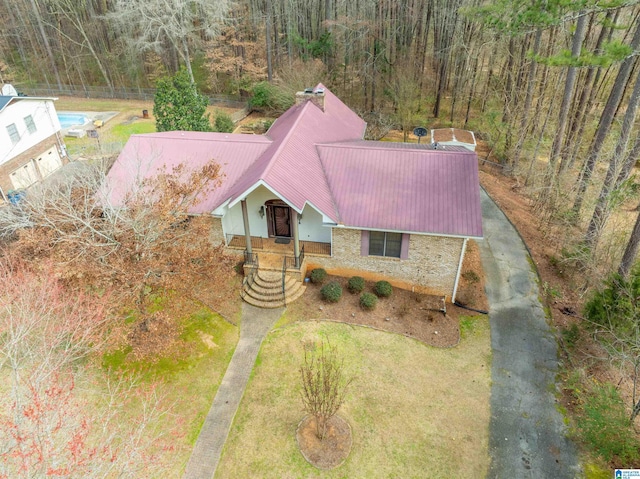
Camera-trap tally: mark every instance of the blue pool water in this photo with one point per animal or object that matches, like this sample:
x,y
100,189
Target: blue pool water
x,y
71,119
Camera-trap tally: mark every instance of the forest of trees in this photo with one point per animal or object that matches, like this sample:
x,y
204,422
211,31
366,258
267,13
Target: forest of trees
x,y
552,86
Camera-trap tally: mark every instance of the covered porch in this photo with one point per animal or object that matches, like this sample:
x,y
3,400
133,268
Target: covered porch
x,y
278,245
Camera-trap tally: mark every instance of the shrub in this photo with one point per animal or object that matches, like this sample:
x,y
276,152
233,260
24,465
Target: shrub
x,y
331,292
318,276
224,123
383,289
355,284
267,97
616,305
368,301
605,426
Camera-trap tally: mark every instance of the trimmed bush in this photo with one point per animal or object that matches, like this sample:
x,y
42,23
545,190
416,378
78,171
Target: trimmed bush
x,y
368,301
223,123
318,276
383,289
331,292
355,284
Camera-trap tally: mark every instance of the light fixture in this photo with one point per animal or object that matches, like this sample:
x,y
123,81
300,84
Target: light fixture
x,y
261,211
299,218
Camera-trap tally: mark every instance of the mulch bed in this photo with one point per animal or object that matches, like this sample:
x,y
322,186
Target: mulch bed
x,y
333,450
411,314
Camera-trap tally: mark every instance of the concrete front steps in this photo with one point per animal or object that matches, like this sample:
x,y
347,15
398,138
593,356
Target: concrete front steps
x,y
266,290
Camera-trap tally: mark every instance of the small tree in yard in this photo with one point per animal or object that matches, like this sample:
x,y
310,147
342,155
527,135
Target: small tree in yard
x,y
177,105
323,385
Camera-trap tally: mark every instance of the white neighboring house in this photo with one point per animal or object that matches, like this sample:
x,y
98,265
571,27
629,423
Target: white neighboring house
x,y
31,146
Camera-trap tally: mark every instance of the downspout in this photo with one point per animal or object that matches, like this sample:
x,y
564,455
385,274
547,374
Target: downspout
x,y
455,285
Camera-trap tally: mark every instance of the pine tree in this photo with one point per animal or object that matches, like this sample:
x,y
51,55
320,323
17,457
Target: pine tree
x,y
177,104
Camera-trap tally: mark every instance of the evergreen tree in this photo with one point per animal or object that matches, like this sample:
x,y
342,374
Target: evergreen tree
x,y
177,104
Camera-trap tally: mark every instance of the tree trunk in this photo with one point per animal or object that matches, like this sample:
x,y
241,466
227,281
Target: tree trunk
x,y
528,98
268,40
45,40
629,256
558,140
602,209
606,119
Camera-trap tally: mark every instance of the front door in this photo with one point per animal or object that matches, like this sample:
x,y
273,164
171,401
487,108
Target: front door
x,y
281,221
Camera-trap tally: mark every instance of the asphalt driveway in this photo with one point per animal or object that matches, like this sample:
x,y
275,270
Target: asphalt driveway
x,y
527,433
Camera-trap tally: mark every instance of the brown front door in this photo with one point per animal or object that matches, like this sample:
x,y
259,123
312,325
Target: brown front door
x,y
281,221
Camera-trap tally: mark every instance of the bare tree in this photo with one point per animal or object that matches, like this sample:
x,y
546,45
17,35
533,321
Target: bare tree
x,y
147,239
324,385
51,423
181,24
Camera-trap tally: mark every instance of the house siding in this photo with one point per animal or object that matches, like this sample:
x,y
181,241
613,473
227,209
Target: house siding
x,y
24,158
431,265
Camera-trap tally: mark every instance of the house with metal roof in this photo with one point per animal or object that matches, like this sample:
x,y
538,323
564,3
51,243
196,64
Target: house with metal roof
x,y
31,147
312,192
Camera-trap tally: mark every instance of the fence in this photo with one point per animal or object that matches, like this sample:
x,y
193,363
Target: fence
x,y
145,94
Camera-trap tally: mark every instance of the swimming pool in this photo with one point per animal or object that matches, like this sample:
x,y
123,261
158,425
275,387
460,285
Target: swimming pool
x,y
71,119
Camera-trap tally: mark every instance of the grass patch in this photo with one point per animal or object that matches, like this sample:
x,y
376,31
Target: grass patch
x,y
123,131
402,396
468,326
187,374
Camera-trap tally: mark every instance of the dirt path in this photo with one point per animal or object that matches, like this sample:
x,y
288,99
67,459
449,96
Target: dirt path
x,y
527,433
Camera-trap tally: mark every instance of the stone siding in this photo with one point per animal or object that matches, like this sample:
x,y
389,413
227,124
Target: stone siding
x,y
431,266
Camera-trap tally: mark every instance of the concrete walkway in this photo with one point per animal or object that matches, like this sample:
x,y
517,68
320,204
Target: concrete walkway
x,y
527,433
254,326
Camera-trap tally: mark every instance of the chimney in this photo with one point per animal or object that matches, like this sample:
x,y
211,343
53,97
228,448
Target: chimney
x,y
316,96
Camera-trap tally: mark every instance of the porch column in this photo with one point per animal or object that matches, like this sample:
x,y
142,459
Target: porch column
x,y
296,239
245,220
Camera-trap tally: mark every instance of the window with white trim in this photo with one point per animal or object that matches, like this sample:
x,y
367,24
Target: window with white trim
x,y
31,126
13,133
382,243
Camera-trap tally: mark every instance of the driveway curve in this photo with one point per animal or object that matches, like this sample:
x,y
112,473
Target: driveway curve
x,y
527,435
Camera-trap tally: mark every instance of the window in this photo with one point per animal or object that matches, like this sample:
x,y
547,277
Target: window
x,y
31,126
13,133
385,244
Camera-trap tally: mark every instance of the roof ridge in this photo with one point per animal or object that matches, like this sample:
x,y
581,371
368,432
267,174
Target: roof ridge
x,y
237,136
284,140
336,210
378,146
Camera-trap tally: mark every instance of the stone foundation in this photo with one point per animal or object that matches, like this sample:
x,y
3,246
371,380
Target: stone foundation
x,y
430,268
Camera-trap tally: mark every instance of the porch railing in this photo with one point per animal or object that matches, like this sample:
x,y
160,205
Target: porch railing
x,y
239,241
290,261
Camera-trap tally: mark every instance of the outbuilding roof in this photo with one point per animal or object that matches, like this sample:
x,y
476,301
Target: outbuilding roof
x,y
314,154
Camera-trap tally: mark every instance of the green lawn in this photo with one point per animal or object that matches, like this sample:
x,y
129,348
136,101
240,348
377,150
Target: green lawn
x,y
188,375
111,140
415,411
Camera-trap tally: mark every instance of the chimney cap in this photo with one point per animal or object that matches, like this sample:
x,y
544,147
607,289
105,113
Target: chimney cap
x,y
319,91
308,90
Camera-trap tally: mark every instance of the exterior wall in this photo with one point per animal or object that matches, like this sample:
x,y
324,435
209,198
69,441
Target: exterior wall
x,y
38,156
44,117
216,235
232,220
309,229
431,266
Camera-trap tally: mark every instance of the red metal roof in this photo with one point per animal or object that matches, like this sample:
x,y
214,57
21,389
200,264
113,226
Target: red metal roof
x,y
400,189
317,156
